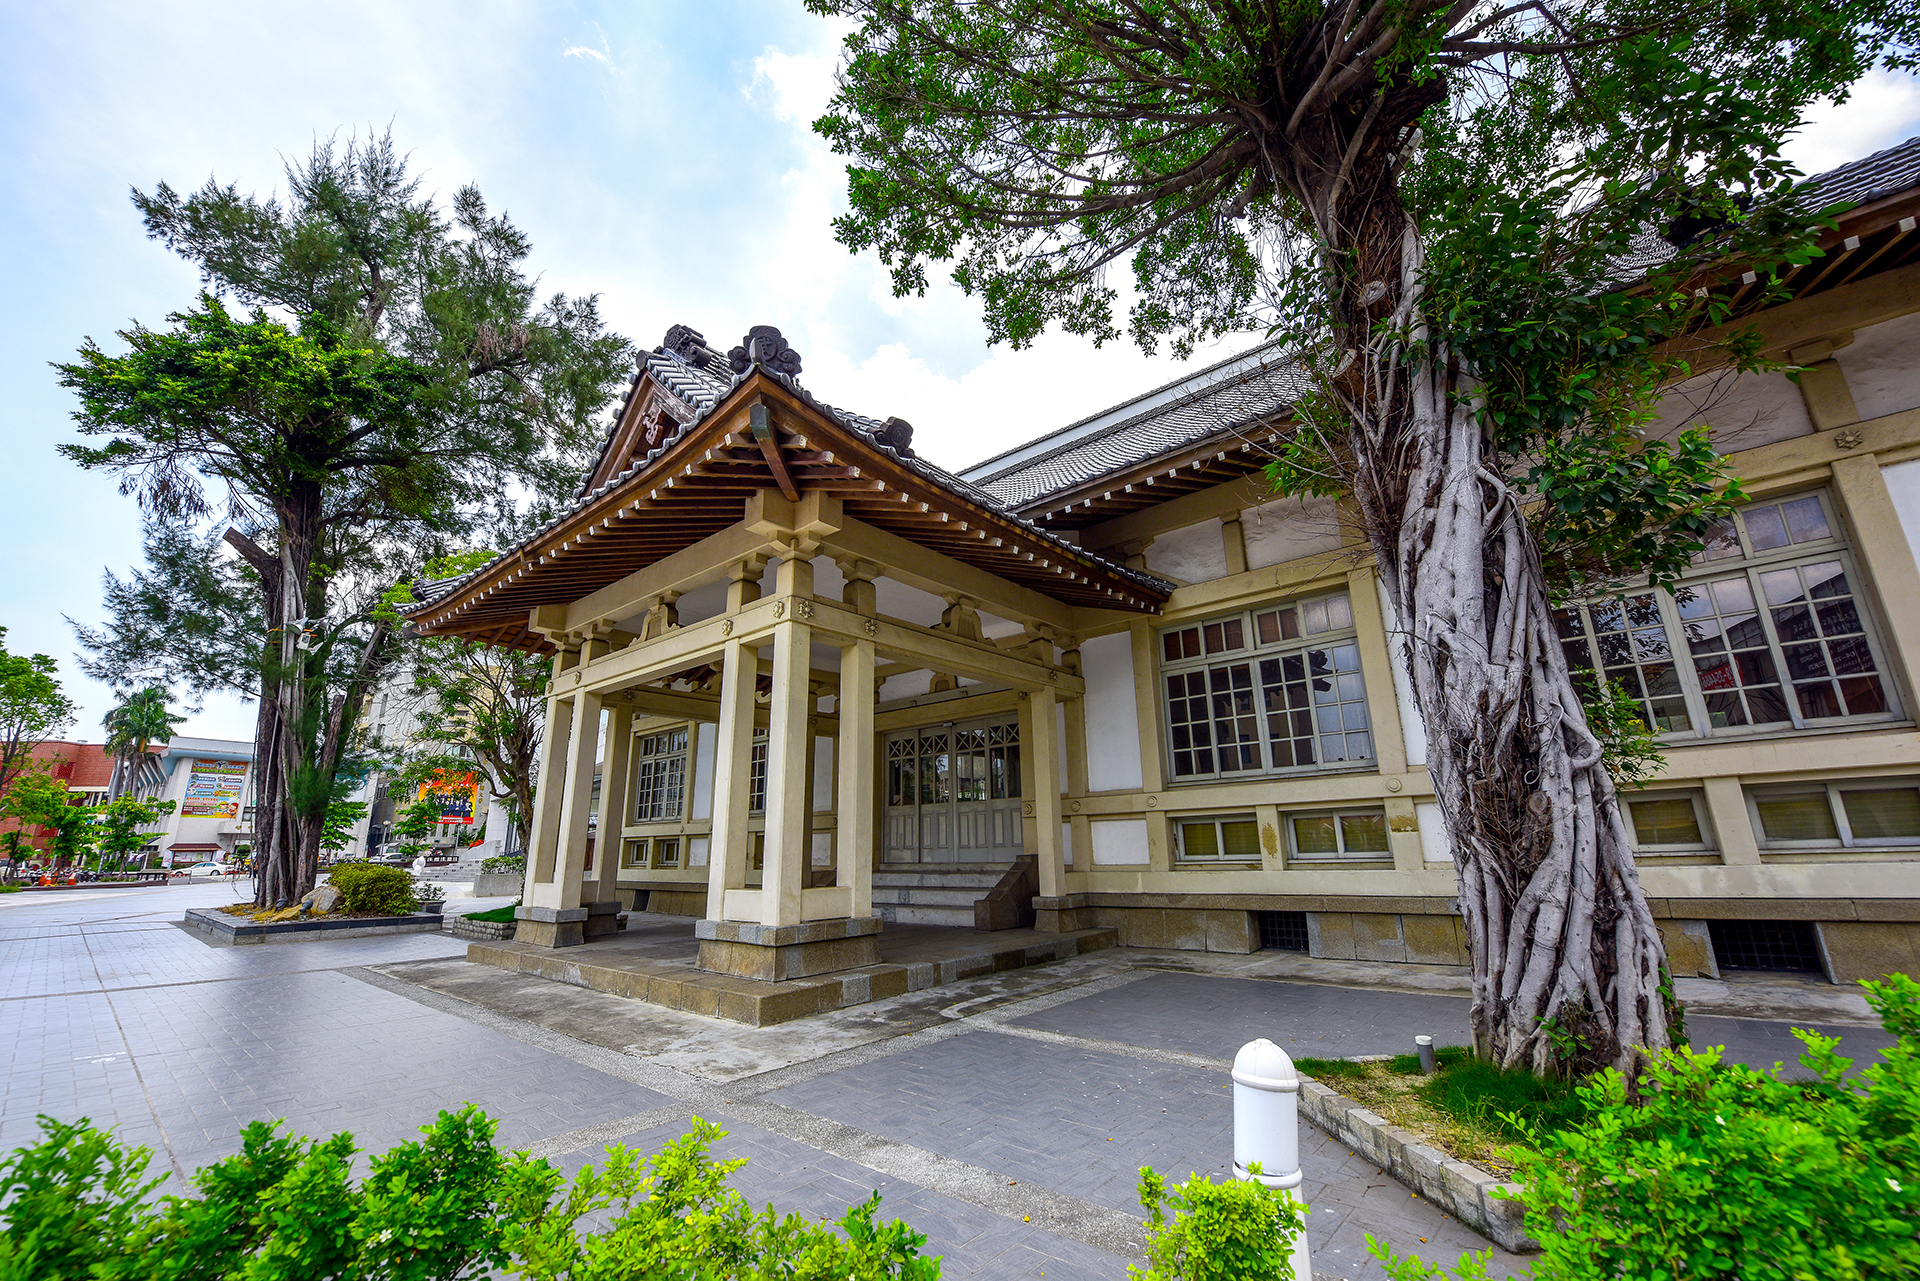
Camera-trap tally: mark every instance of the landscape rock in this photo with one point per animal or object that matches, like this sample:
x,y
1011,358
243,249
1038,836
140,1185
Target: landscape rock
x,y
323,899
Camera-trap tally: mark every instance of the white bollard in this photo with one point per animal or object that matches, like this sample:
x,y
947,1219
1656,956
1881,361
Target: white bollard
x,y
1266,1129
1423,1046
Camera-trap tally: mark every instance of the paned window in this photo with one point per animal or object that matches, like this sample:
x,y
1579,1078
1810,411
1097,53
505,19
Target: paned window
x,y
1350,836
666,851
1670,823
1766,631
757,774
1233,838
1266,691
660,776
634,854
1869,813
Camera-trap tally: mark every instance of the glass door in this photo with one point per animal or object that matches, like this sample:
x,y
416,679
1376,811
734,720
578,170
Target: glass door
x,y
953,793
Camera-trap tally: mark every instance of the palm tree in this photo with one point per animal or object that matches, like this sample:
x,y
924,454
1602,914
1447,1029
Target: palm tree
x,y
133,728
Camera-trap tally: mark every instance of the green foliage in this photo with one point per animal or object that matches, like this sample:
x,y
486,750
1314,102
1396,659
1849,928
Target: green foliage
x,y
448,1206
374,888
32,708
1446,1056
342,817
1239,1230
504,863
117,826
1719,1170
137,723
1331,1069
497,915
68,1200
1628,744
38,799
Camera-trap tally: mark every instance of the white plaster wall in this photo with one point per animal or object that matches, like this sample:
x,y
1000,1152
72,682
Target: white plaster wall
x,y
1195,554
1289,528
1882,365
1120,843
697,851
1903,486
704,737
1433,833
822,775
1066,843
822,851
1413,727
1113,717
1744,410
905,685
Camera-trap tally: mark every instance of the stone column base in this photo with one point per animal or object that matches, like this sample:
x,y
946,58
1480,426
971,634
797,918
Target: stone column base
x,y
603,918
550,926
772,953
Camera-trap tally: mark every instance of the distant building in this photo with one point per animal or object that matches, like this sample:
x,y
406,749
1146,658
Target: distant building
x,y
210,781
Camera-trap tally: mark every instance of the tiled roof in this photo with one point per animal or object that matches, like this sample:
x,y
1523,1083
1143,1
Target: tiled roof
x,y
1219,401
703,389
1225,398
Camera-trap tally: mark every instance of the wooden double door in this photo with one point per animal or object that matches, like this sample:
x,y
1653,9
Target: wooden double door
x,y
953,793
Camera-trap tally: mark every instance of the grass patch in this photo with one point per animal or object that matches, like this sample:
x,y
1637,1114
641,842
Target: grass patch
x,y
500,915
11,889
1463,1109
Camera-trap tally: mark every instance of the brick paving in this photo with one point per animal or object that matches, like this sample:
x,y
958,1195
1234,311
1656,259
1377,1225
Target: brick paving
x,y
1007,1120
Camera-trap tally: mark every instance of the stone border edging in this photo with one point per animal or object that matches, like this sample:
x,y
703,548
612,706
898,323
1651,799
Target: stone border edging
x,y
1463,1190
236,931
481,931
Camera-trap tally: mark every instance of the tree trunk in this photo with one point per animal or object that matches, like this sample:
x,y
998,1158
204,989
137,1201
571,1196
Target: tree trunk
x,y
1568,967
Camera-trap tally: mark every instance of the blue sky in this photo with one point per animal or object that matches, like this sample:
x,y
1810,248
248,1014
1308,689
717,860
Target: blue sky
x,y
657,155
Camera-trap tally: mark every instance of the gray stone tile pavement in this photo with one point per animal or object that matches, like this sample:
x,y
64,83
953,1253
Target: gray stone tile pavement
x,y
966,1108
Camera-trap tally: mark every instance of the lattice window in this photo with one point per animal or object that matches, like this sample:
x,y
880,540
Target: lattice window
x,y
1296,701
1345,836
660,776
1230,838
1856,813
757,774
1282,931
1765,945
1767,631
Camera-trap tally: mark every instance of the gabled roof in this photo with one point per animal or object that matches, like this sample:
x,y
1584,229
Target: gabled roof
x,y
695,477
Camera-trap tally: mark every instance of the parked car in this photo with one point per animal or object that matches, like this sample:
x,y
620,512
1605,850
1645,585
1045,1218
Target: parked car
x,y
210,869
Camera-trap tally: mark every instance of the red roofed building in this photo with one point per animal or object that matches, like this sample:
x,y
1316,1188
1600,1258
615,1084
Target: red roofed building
x,y
86,769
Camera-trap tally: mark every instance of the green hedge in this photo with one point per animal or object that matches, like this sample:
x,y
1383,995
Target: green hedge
x,y
374,888
450,1206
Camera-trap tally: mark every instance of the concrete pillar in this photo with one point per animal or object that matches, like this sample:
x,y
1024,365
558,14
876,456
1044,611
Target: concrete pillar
x,y
732,765
789,745
597,892
855,811
1043,750
551,915
544,831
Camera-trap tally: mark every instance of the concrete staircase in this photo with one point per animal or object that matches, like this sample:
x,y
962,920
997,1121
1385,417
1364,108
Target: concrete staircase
x,y
933,893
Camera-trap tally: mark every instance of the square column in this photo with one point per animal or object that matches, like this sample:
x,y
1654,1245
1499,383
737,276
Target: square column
x,y
552,915
1043,750
597,892
732,767
789,806
854,816
543,832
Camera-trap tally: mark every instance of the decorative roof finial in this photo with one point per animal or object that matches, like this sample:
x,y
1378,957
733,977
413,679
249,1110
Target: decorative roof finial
x,y
689,344
896,434
763,345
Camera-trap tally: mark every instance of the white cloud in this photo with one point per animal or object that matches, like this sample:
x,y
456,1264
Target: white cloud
x,y
797,86
1883,110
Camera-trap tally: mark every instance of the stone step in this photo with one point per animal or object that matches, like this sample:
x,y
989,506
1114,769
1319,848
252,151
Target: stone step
x,y
919,914
957,880
928,896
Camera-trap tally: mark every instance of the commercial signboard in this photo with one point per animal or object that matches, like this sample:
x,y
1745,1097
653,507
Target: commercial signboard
x,y
456,795
214,789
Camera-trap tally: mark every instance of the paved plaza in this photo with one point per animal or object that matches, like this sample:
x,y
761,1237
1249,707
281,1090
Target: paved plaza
x,y
1006,1117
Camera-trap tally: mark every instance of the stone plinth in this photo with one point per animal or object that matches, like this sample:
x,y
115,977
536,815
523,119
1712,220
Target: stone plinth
x,y
602,918
776,953
550,926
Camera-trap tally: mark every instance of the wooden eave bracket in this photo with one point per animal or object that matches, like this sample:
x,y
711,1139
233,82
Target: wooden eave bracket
x,y
760,418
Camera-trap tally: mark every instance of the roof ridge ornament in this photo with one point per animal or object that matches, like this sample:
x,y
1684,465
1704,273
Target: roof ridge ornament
x,y
897,435
763,345
689,344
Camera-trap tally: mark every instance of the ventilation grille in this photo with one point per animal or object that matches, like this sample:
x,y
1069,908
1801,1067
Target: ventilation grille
x,y
1282,931
1766,945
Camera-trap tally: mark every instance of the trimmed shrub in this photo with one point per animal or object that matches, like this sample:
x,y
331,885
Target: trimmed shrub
x,y
1232,1231
374,888
449,1207
1721,1171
